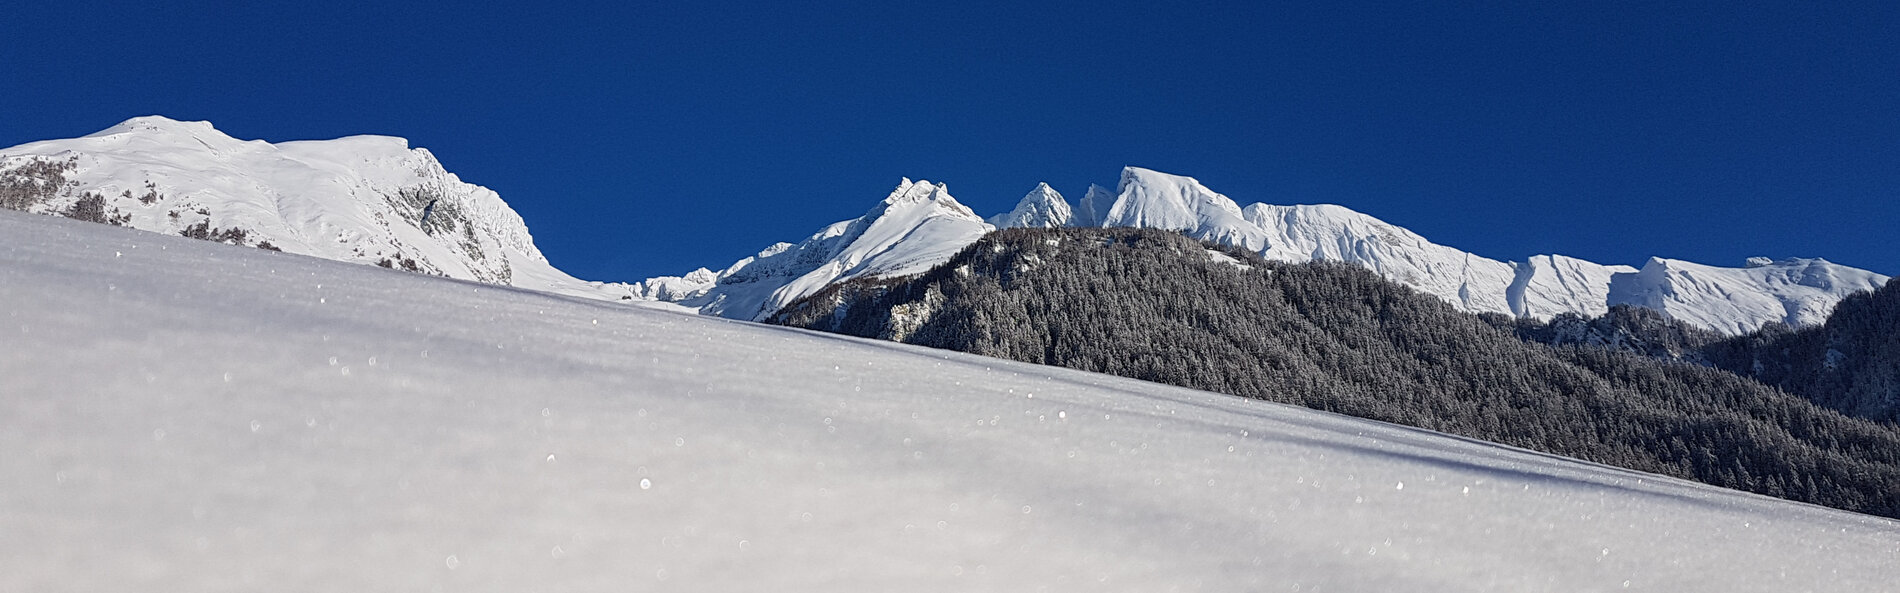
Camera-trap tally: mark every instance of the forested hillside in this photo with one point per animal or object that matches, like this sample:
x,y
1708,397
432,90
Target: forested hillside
x,y
1158,306
1851,363
1624,328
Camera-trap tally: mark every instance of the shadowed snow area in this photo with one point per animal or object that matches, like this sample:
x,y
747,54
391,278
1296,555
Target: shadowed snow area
x,y
180,415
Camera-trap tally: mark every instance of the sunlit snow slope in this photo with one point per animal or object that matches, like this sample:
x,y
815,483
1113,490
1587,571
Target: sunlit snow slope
x,y
185,416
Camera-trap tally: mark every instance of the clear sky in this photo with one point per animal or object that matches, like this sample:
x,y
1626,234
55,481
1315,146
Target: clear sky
x,y
647,138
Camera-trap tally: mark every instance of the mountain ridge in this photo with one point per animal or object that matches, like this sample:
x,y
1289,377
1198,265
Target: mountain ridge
x,y
358,198
1732,301
363,198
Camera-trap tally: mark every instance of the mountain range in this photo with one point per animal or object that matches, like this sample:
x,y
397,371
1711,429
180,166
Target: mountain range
x,y
295,403
1796,291
364,199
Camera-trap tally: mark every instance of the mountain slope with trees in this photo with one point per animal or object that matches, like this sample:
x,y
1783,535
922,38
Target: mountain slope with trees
x,y
1623,328
1850,364
1158,306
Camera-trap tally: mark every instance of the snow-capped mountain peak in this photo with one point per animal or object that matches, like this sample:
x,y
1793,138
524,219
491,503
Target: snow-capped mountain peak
x,y
1152,199
359,199
158,129
1795,291
1042,207
916,227
934,196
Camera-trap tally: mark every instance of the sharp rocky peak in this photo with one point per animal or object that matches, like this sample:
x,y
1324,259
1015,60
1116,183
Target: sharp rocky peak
x,y
921,192
1042,207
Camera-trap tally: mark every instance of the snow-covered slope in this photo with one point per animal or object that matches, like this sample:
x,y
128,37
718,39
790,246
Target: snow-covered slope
x,y
1540,287
1548,285
358,199
1334,233
916,227
1041,208
186,416
1798,292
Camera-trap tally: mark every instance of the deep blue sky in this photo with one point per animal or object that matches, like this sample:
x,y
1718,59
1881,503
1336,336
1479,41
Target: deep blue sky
x,y
640,139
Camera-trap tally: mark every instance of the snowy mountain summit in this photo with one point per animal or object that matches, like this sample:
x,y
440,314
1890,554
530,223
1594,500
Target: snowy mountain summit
x,y
1729,300
1154,200
360,199
1796,291
1041,208
916,227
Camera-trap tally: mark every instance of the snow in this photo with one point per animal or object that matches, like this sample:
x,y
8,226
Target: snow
x,y
1093,208
930,227
1728,300
1333,233
1155,200
1549,285
1222,258
1041,208
916,227
340,199
1541,287
1798,292
359,199
187,416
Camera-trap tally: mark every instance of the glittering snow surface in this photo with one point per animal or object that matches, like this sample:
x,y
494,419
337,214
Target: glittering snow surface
x,y
186,416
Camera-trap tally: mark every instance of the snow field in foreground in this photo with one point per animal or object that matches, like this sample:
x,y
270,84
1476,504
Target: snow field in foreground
x,y
182,415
